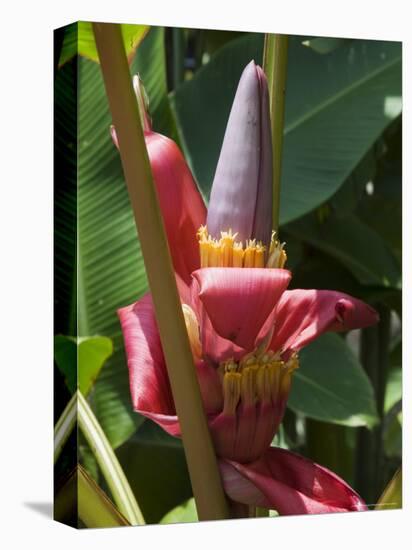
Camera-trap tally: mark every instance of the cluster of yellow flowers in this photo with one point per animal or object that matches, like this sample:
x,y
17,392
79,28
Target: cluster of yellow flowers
x,y
228,252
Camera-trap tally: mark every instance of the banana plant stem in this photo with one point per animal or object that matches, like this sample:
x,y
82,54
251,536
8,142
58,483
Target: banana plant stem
x,y
107,460
202,465
64,426
275,66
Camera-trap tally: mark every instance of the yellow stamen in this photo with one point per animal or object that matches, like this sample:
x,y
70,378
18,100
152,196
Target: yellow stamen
x,y
293,362
285,380
263,384
231,392
227,252
202,233
237,255
204,245
192,327
256,378
204,253
226,246
249,258
274,379
248,360
230,366
259,256
214,255
248,384
277,255
287,371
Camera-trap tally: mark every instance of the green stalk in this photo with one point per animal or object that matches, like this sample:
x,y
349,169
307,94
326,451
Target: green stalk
x,y
204,474
64,426
275,55
109,465
95,508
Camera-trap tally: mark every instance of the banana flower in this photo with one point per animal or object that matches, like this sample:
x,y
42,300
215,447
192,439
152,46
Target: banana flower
x,y
245,328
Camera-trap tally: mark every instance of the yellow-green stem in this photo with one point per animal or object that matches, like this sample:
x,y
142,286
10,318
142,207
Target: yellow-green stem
x,y
204,474
275,66
107,460
64,426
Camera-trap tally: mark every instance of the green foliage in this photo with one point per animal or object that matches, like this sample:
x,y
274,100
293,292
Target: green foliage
x,y
392,427
346,240
150,64
184,513
79,40
330,385
92,353
324,45
65,355
155,465
331,445
110,272
65,197
349,97
382,210
81,359
393,392
392,436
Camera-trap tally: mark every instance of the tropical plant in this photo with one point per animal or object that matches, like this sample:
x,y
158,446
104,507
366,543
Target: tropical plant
x,y
340,215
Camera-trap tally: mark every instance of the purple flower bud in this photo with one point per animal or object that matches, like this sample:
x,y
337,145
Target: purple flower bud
x,y
241,196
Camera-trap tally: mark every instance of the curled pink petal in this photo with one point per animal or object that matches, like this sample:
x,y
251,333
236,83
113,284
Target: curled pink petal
x,y
215,348
238,301
288,483
184,291
303,315
170,423
182,206
149,383
148,378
